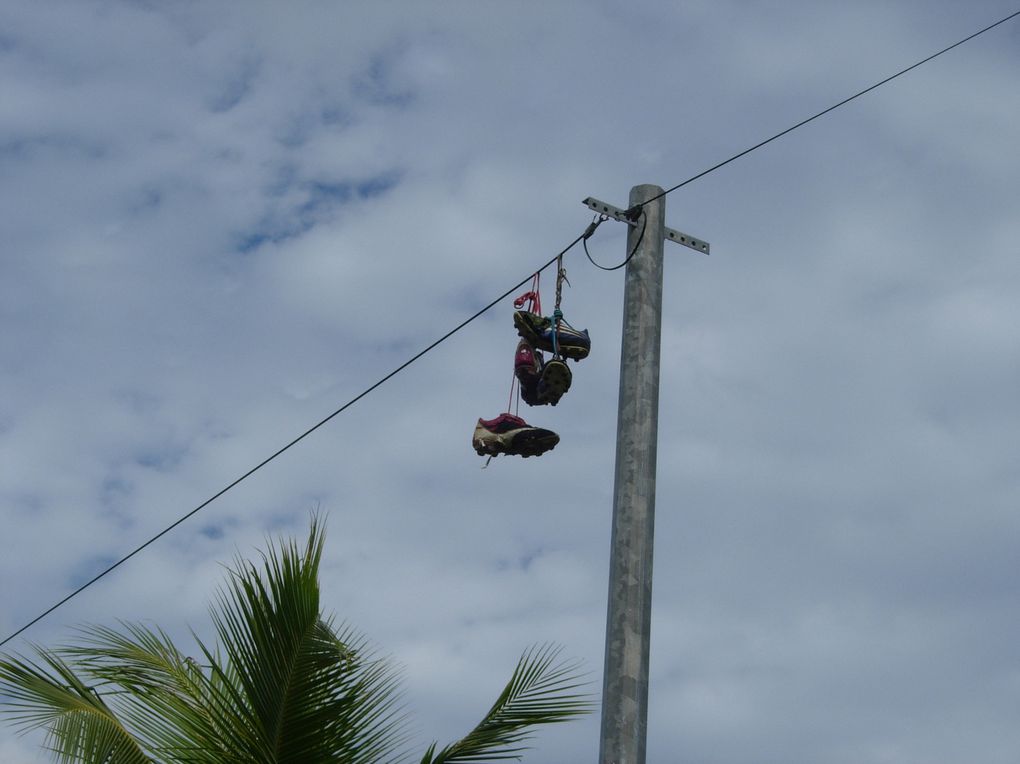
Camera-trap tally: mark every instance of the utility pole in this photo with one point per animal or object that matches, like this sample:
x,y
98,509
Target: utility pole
x,y
628,622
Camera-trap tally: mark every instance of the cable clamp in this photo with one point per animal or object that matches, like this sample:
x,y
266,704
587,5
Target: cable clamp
x,y
595,223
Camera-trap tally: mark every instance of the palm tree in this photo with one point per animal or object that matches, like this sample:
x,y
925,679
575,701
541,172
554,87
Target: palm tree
x,y
282,684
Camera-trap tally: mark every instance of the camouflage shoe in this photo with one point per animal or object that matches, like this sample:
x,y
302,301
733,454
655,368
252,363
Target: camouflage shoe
x,y
538,330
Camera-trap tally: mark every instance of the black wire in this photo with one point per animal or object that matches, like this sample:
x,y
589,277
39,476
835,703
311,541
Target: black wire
x,y
460,326
296,440
636,245
845,101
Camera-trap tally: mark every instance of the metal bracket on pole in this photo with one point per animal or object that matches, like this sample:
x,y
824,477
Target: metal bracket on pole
x,y
617,214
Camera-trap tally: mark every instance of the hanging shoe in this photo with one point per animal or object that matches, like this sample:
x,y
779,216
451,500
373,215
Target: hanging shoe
x,y
538,330
509,434
554,382
528,367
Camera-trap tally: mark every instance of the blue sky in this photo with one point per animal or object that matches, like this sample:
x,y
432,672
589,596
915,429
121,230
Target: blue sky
x,y
220,223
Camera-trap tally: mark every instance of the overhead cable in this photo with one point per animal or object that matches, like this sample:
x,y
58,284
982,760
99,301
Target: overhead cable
x,y
294,442
634,211
822,113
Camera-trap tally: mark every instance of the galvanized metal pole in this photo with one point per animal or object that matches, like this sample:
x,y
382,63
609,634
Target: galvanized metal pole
x,y
628,624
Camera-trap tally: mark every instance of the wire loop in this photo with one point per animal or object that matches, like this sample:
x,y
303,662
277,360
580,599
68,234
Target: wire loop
x,y
641,237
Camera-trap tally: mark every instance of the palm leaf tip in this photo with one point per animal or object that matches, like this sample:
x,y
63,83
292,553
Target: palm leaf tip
x,y
541,690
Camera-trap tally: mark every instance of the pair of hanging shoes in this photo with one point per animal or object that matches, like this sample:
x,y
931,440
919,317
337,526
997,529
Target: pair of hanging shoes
x,y
546,382
542,382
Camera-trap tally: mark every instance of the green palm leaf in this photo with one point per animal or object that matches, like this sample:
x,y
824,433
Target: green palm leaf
x,y
81,727
177,710
541,691
314,695
283,685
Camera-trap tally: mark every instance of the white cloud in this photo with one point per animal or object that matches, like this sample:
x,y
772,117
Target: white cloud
x,y
220,226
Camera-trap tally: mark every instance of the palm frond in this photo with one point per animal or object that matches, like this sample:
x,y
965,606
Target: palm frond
x,y
313,697
80,726
541,691
282,685
175,707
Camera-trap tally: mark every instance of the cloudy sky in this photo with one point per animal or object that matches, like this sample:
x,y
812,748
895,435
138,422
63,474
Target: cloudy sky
x,y
219,222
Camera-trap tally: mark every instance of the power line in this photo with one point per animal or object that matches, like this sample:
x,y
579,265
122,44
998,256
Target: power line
x,y
822,113
634,212
294,442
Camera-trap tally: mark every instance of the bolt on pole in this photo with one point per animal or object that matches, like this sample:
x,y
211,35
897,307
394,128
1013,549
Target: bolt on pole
x,y
628,623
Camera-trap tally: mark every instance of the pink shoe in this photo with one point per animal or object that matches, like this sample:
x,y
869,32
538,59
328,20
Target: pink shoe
x,y
528,366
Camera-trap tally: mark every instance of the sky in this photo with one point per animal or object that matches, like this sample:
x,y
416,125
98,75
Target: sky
x,y
219,222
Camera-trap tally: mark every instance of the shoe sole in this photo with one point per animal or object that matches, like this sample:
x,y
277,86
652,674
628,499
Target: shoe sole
x,y
531,442
556,378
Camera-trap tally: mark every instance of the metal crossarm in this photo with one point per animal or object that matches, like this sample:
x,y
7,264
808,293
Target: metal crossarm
x,y
616,213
